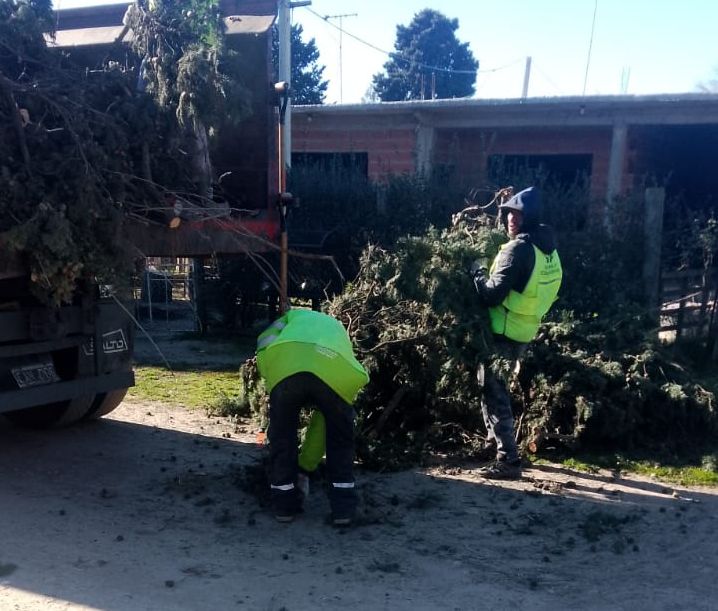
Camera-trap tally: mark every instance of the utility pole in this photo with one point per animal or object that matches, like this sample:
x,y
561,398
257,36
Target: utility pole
x,y
284,26
341,31
284,137
625,78
527,76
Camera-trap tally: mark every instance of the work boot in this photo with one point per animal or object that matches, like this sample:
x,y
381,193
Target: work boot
x,y
342,519
287,504
284,516
501,469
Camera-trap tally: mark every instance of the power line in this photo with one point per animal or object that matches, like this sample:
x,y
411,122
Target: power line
x,y
398,56
590,45
548,78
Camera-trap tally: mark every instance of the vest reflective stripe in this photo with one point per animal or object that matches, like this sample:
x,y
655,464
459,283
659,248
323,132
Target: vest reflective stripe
x,y
264,341
518,317
343,484
282,487
270,333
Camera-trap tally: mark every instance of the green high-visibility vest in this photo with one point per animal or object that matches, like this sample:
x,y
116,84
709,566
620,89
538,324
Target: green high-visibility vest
x,y
519,315
308,341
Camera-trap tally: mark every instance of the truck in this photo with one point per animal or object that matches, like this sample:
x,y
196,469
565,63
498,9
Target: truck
x,y
70,363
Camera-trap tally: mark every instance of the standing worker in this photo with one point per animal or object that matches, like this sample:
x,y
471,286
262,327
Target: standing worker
x,y
307,360
522,285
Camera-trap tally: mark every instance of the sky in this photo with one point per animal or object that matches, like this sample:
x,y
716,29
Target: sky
x,y
638,46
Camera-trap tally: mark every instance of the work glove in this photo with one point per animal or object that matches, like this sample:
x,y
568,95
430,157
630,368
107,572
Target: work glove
x,y
478,275
476,270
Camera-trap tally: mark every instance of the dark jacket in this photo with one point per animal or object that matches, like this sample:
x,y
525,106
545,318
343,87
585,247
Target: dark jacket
x,y
515,262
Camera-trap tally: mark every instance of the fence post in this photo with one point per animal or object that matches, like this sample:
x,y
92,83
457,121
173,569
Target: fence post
x,y
149,291
198,294
654,200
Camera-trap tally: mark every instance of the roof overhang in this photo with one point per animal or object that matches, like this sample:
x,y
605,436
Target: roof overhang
x,y
88,37
585,111
106,35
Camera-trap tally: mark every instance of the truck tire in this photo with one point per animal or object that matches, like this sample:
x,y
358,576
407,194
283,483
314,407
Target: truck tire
x,y
104,403
53,415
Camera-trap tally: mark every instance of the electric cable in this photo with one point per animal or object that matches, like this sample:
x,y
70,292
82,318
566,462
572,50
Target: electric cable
x,y
398,56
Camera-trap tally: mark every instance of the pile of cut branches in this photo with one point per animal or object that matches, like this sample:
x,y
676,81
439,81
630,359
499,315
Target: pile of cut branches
x,y
414,319
82,150
600,380
606,382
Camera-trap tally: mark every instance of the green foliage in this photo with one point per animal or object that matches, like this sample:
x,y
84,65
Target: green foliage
x,y
605,382
413,318
254,396
62,151
23,24
427,49
82,150
308,86
594,378
183,51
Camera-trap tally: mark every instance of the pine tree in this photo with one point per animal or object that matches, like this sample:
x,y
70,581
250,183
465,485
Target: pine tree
x,y
429,59
307,84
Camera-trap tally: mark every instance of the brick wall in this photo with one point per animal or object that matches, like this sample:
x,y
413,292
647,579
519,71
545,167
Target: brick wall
x,y
468,150
390,151
390,143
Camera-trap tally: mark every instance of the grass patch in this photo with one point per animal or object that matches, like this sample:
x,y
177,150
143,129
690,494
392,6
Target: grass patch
x,y
703,475
691,471
219,392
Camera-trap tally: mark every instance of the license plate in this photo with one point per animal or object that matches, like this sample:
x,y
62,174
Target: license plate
x,y
36,374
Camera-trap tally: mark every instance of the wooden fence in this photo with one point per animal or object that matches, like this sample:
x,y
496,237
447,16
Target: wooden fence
x,y
689,303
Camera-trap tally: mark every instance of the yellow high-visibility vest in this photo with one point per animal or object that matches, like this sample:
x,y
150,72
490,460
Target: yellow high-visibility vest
x,y
308,341
519,315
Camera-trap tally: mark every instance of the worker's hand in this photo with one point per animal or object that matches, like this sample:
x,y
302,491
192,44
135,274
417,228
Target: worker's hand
x,y
477,270
478,275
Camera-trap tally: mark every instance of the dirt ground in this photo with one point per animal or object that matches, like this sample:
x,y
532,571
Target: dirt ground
x,y
158,507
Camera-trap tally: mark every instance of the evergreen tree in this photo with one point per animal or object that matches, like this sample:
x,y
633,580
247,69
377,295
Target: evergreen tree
x,y
307,84
428,59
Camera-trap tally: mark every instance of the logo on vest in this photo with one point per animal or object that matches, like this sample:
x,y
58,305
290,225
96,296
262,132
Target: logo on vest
x,y
326,352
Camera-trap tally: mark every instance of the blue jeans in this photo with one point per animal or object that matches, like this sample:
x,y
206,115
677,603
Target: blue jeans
x,y
496,402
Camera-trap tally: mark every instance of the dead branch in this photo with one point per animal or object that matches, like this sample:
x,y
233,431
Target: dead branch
x,y
501,196
390,407
16,118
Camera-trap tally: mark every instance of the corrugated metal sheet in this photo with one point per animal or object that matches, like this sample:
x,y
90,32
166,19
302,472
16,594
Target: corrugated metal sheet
x,y
86,37
248,24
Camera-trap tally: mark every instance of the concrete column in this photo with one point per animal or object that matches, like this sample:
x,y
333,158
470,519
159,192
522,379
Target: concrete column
x,y
425,137
615,170
654,200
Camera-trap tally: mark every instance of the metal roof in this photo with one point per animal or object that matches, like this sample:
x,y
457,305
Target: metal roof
x,y
103,26
588,111
86,37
